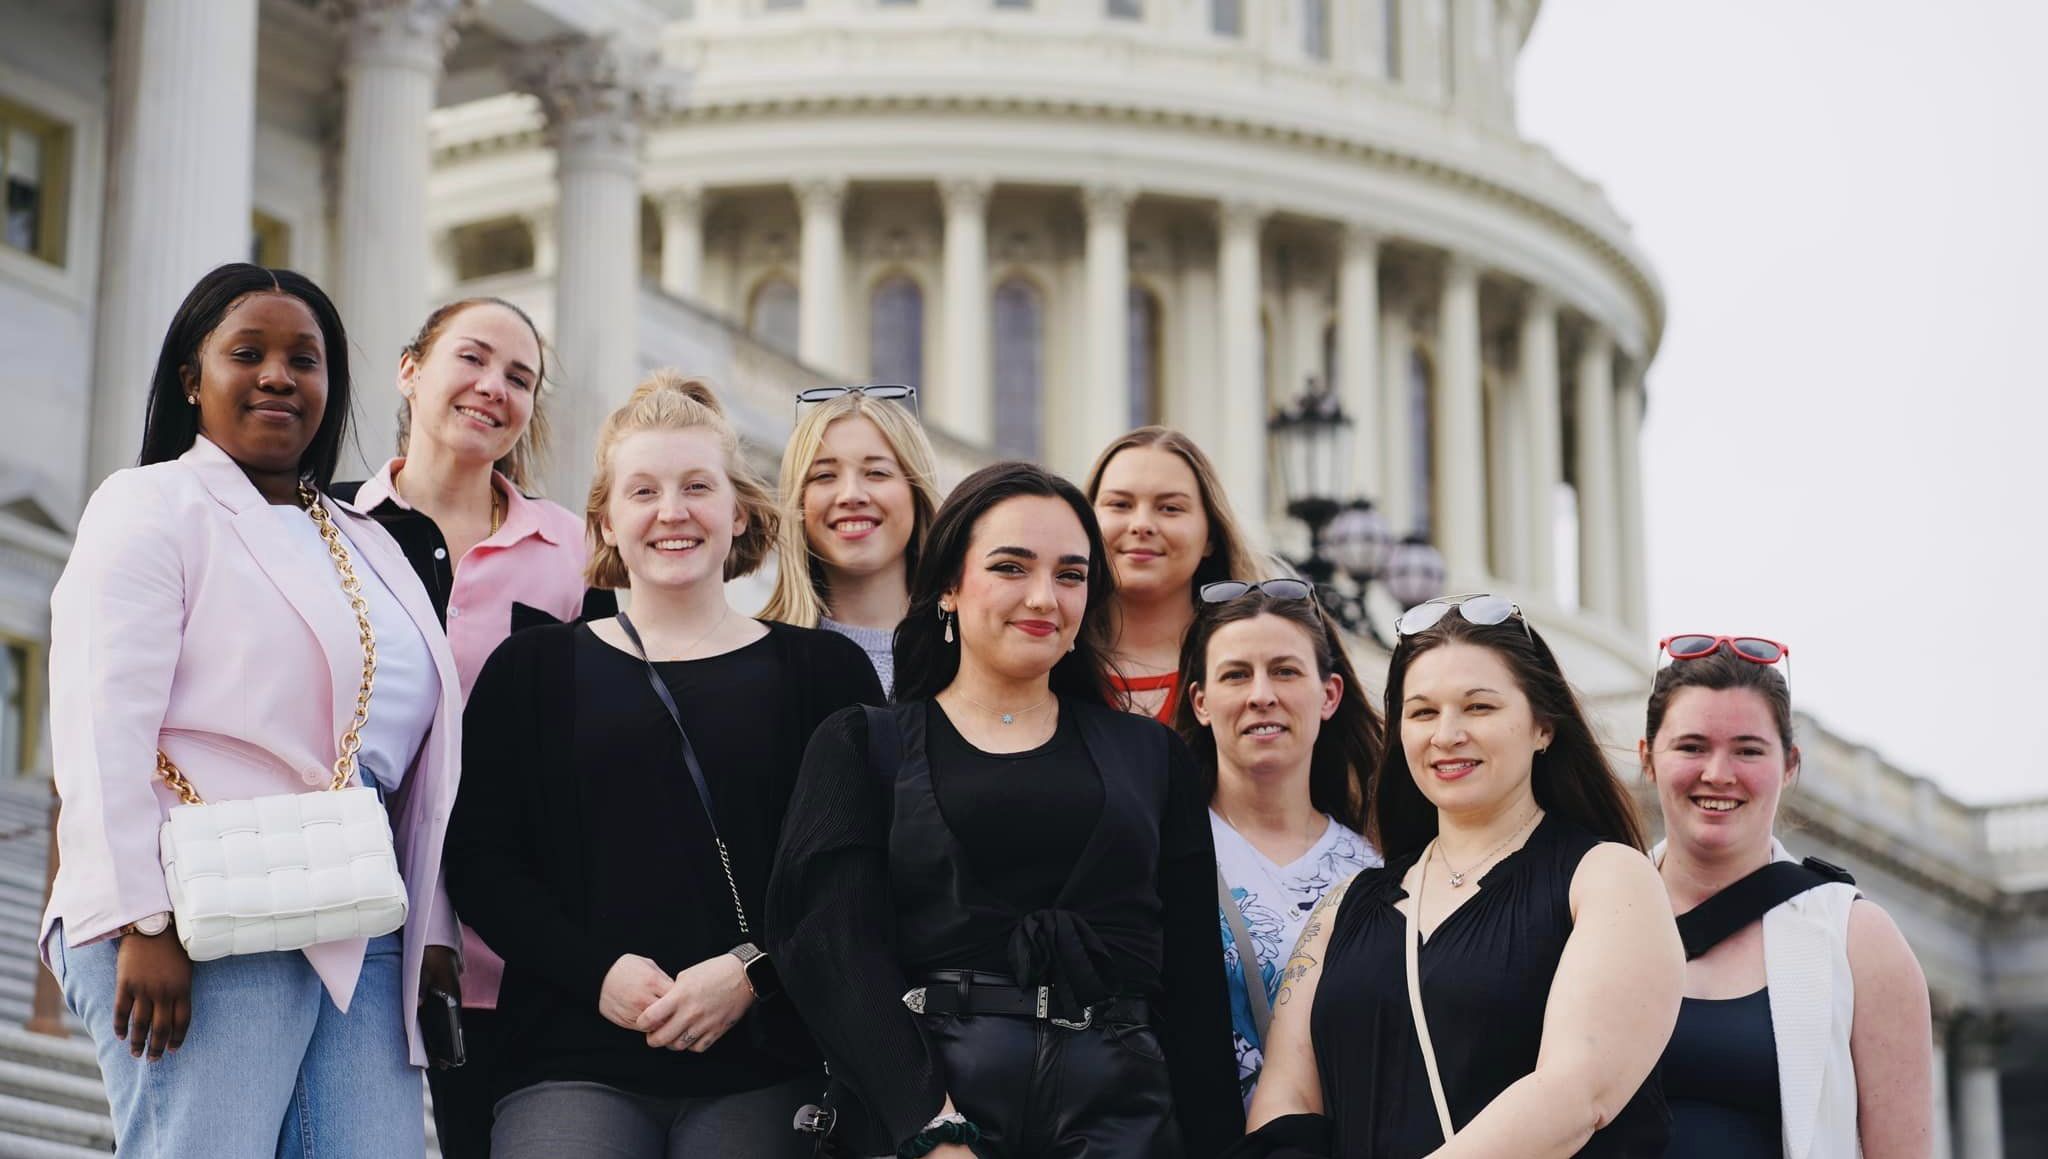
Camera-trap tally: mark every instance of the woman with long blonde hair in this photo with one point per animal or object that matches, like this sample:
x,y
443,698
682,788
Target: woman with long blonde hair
x,y
858,489
618,853
1169,529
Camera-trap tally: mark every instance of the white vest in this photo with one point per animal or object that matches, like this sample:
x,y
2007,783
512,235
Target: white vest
x,y
1813,1004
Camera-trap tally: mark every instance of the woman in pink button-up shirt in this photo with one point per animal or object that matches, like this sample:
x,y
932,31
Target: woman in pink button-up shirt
x,y
473,430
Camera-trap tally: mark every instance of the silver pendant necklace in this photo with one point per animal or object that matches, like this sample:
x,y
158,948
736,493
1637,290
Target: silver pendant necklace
x,y
1458,878
1005,717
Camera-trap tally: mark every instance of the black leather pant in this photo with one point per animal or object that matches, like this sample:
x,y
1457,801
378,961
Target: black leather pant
x,y
1040,1091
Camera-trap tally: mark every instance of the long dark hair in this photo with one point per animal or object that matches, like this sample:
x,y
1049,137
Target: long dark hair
x,y
1347,748
1571,777
925,662
172,424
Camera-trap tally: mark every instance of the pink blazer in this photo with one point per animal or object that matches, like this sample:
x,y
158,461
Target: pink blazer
x,y
186,620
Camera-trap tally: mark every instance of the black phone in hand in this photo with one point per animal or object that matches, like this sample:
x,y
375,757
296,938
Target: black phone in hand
x,y
441,1029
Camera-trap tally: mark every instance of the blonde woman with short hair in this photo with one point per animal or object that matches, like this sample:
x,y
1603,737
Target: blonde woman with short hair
x,y
618,853
858,488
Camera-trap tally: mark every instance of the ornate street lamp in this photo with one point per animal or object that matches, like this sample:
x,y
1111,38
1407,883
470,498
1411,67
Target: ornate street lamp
x,y
1309,443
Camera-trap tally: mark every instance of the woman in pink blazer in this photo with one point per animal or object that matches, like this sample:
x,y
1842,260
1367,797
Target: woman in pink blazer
x,y
201,615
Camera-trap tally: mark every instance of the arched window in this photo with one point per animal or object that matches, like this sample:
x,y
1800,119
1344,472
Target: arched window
x,y
1145,382
1017,320
896,331
772,314
1315,29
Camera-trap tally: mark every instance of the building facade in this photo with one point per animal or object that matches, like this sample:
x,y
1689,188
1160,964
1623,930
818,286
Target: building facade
x,y
1057,218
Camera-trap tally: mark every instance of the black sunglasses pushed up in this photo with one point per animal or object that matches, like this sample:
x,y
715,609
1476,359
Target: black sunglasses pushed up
x,y
881,391
1224,591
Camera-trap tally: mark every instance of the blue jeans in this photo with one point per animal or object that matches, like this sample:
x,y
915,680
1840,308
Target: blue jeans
x,y
270,1066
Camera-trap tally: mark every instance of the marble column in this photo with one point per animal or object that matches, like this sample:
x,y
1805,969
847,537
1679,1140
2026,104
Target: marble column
x,y
682,242
1303,360
1458,439
1241,449
964,401
821,301
1104,409
1628,434
1506,471
183,134
391,65
1599,519
1980,1130
1542,410
1397,420
1358,361
595,92
1196,404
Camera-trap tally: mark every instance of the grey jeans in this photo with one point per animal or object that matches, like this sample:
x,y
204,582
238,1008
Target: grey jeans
x,y
583,1120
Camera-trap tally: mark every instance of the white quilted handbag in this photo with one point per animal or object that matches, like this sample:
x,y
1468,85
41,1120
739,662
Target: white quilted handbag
x,y
291,870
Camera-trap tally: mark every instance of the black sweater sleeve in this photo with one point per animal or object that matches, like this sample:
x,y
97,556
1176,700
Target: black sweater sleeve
x,y
492,862
1195,1032
831,927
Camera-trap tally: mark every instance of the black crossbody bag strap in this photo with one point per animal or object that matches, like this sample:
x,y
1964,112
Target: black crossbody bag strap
x,y
1714,920
885,745
675,714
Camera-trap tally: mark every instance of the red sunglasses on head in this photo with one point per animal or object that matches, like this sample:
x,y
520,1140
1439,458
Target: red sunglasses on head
x,y
1755,649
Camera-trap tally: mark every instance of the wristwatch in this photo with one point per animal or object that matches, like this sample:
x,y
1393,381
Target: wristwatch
x,y
148,927
761,976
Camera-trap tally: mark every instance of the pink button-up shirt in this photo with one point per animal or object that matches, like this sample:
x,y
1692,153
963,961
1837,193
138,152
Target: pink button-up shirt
x,y
535,558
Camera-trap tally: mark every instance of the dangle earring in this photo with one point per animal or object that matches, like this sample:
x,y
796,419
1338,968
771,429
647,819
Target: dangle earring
x,y
947,620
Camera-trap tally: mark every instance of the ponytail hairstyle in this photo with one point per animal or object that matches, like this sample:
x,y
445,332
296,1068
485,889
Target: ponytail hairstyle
x,y
668,401
522,462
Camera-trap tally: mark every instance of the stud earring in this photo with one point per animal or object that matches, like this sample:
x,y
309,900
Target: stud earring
x,y
192,399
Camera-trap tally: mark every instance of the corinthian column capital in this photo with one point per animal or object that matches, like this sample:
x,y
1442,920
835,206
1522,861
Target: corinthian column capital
x,y
597,90
408,33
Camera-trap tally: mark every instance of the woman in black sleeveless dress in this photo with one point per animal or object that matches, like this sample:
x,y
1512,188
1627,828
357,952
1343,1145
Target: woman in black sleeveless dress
x,y
1549,973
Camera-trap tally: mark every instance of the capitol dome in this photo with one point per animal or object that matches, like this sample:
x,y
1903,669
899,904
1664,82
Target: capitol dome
x,y
1064,218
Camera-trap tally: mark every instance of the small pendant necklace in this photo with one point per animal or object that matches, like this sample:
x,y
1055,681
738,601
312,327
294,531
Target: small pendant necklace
x,y
1005,717
1458,877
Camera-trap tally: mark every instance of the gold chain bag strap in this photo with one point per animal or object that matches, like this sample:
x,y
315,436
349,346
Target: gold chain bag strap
x,y
287,871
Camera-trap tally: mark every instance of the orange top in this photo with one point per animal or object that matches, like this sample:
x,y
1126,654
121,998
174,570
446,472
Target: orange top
x,y
1170,681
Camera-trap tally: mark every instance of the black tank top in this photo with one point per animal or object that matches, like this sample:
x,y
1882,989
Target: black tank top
x,y
1486,974
1721,1079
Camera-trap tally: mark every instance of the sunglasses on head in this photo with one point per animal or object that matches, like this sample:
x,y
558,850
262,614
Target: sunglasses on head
x,y
1755,649
1224,591
881,391
1479,610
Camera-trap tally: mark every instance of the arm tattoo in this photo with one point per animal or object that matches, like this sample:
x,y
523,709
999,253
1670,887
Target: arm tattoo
x,y
1302,962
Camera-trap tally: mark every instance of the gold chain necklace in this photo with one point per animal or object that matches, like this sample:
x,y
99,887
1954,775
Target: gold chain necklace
x,y
1458,878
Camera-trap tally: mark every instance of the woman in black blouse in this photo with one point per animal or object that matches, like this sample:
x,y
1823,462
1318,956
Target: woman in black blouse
x,y
994,903
629,758
1516,891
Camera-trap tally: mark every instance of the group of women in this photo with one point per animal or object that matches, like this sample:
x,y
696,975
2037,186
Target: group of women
x,y
1026,820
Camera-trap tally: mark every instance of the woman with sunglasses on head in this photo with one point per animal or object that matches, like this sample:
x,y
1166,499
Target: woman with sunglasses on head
x,y
1285,741
859,488
471,434
221,622
994,901
1516,912
617,852
1805,1028
1169,529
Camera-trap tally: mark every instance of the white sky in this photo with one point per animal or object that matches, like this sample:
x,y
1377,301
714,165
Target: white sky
x,y
1847,443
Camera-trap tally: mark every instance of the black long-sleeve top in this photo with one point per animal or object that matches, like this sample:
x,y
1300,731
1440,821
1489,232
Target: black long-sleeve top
x,y
578,837
833,920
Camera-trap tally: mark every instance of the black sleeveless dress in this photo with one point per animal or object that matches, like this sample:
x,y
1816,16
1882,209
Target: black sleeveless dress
x,y
1486,975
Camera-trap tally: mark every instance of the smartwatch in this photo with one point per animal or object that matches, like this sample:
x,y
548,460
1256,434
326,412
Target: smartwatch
x,y
760,972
